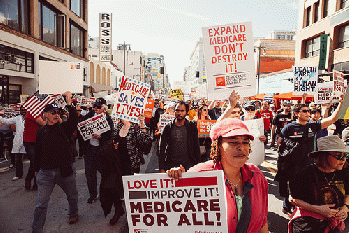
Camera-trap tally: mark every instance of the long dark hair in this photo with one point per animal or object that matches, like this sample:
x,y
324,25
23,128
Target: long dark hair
x,y
201,107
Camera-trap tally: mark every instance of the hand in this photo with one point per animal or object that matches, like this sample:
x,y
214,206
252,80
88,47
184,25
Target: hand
x,y
176,172
262,138
326,211
233,99
96,136
342,213
341,98
68,95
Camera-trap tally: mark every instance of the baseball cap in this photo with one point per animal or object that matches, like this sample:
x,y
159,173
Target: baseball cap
x,y
99,102
229,127
51,107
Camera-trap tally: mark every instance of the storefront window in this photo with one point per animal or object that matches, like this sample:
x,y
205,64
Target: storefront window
x,y
343,36
15,13
77,44
16,60
312,47
51,26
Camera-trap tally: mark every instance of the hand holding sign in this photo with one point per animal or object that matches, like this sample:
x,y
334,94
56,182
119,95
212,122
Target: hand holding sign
x,y
176,172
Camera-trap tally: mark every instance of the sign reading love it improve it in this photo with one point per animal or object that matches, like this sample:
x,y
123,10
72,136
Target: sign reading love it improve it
x,y
229,59
305,80
157,203
131,99
94,125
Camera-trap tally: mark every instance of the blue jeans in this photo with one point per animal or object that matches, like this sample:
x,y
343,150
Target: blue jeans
x,y
91,163
46,181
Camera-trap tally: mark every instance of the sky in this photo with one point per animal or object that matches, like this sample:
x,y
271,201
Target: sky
x,y
172,27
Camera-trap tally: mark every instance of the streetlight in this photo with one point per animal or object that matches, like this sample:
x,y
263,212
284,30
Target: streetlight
x,y
259,62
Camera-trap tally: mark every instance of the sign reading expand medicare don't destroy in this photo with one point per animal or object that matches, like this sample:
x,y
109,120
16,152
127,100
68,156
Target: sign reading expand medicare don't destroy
x,y
131,99
305,80
229,60
157,203
94,125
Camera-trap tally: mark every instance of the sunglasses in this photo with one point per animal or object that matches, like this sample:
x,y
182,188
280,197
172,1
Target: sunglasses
x,y
340,156
249,109
305,111
54,112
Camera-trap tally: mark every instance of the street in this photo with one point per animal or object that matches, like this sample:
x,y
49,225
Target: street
x,y
17,204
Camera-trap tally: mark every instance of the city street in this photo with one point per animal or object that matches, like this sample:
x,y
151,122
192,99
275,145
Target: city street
x,y
17,204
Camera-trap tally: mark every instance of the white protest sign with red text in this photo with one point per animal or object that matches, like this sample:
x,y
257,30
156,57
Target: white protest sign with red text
x,y
93,125
338,85
157,203
229,59
324,93
164,120
131,99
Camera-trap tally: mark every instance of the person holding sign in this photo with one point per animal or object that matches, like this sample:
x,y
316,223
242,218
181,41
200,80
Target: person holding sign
x,y
246,187
204,142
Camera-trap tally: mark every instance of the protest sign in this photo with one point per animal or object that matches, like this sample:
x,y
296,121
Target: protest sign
x,y
344,109
164,120
94,125
195,203
256,128
148,110
176,94
338,86
305,80
87,101
131,99
324,93
204,127
229,59
9,113
59,100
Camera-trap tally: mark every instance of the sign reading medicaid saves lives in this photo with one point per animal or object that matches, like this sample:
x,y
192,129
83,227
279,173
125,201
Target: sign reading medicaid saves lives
x,y
157,203
93,125
305,80
131,99
204,127
164,120
229,59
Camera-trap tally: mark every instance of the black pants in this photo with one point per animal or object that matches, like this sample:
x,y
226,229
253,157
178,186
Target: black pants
x,y
19,164
30,149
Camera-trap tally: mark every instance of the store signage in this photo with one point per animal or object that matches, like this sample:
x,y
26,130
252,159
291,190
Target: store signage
x,y
323,51
105,37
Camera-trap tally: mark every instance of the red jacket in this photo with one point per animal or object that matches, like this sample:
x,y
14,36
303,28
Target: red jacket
x,y
258,195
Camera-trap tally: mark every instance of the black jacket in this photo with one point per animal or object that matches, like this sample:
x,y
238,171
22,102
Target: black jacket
x,y
193,144
52,147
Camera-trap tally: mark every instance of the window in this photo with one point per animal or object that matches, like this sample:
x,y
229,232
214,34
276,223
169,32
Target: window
x,y
77,40
343,41
308,16
78,7
325,11
312,47
15,13
16,60
289,37
280,37
51,25
316,12
344,4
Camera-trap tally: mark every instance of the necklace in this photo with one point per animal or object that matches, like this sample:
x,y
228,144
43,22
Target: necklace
x,y
235,190
328,182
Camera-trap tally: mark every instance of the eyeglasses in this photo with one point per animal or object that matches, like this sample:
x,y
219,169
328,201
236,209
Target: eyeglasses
x,y
249,109
339,155
305,110
54,112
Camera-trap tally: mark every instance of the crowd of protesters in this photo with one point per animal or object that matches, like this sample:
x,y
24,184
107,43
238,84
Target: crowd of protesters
x,y
309,139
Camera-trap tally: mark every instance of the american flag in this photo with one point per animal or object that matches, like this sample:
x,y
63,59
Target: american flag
x,y
35,106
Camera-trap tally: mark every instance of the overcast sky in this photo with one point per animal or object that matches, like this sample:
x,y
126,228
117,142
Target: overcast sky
x,y
172,27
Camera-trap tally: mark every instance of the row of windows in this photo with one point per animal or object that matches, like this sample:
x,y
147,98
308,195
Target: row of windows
x,y
15,13
312,46
16,60
320,13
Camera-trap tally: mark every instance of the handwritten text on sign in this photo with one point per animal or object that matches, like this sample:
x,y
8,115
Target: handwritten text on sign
x,y
164,120
204,127
131,99
338,85
305,80
324,93
94,125
194,203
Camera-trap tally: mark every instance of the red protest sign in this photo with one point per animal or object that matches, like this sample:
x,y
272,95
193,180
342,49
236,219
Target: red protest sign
x,y
148,109
204,127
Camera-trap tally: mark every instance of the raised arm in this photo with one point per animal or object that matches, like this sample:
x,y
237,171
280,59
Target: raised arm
x,y
233,99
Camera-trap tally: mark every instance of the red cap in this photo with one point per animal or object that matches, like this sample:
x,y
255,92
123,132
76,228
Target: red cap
x,y
229,127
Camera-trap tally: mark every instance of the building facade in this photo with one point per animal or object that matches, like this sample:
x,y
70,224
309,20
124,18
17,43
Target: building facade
x,y
197,73
329,18
282,35
34,30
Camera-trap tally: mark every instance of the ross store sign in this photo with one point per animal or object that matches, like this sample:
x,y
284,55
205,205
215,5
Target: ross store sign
x,y
105,37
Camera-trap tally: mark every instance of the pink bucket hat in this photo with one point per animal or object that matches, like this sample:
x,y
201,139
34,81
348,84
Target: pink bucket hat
x,y
229,127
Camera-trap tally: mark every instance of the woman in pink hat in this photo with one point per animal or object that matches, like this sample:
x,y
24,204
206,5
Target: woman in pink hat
x,y
246,187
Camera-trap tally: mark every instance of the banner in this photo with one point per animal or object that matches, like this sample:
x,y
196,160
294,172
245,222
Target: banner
x,y
94,125
9,113
176,94
164,120
305,80
131,99
204,127
338,85
324,93
229,59
256,128
196,203
59,100
148,110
